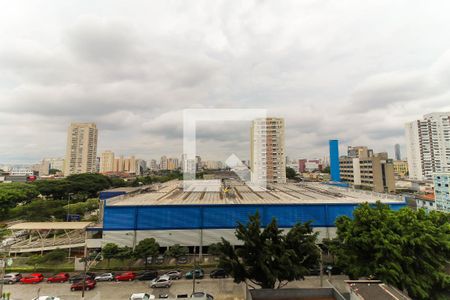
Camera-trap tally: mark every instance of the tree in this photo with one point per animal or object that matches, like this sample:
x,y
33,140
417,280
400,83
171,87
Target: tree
x,y
290,173
407,249
146,248
124,253
268,258
214,249
177,251
326,169
39,210
109,251
14,193
53,171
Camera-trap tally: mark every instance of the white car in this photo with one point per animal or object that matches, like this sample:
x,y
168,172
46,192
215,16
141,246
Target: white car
x,y
47,298
104,277
142,296
163,281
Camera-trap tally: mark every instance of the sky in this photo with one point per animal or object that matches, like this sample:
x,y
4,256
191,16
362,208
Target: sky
x,y
351,70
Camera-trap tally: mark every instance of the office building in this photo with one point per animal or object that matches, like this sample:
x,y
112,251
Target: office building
x,y
107,162
400,168
268,162
163,163
398,155
428,146
363,169
442,191
334,161
81,151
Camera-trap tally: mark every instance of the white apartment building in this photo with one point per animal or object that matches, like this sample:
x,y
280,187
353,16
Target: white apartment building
x,y
107,161
81,151
268,158
428,146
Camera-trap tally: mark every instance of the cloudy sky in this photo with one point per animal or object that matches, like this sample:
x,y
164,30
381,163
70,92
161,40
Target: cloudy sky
x,y
353,70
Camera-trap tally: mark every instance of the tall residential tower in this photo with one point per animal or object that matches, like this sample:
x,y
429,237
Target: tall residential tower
x,y
428,146
81,151
268,161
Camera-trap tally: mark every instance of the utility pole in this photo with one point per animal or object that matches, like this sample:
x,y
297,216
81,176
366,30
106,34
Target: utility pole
x,y
193,273
321,265
68,207
85,269
2,276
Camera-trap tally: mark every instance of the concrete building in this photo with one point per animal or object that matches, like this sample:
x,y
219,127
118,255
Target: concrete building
x,y
335,171
302,165
172,164
398,155
442,191
153,165
107,162
173,215
400,168
428,146
163,163
81,151
268,162
373,290
362,168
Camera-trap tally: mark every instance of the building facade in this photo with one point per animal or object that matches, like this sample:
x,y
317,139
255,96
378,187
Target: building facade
x,y
400,168
442,191
363,169
81,151
398,155
268,161
107,162
428,146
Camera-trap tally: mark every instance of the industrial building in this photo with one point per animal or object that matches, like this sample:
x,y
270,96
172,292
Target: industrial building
x,y
173,215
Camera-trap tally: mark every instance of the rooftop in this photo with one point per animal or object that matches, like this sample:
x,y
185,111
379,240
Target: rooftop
x,y
232,191
375,290
49,225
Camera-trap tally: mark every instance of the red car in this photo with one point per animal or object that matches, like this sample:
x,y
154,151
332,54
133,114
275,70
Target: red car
x,y
60,277
78,286
126,276
33,278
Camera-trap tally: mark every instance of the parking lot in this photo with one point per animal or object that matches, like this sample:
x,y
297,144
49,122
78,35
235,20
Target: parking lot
x,y
221,289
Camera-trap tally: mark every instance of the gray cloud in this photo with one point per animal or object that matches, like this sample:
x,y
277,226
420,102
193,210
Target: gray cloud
x,y
332,70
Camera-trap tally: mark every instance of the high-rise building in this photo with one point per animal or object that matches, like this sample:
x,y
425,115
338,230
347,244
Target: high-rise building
x,y
81,151
398,155
107,161
302,165
172,164
428,146
400,168
153,165
334,161
363,169
163,163
442,191
268,162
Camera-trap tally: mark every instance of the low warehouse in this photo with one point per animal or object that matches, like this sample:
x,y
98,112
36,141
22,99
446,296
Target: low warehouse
x,y
172,215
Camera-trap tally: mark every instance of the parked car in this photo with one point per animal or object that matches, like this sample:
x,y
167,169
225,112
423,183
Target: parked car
x,y
142,296
60,277
147,275
47,298
126,276
12,278
163,281
182,260
33,278
175,274
201,296
159,260
104,277
199,274
78,277
218,273
78,285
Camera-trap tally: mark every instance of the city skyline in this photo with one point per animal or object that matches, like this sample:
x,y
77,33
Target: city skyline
x,y
132,71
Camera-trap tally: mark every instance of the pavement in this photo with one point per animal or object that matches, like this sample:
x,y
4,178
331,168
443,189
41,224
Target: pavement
x,y
221,289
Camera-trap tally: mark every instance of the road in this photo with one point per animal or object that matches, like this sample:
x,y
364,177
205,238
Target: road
x,y
221,289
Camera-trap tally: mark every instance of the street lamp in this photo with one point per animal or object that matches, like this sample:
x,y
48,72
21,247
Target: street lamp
x,y
321,264
68,206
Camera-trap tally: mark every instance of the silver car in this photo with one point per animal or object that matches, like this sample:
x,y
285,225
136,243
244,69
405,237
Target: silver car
x,y
11,278
104,277
174,274
161,282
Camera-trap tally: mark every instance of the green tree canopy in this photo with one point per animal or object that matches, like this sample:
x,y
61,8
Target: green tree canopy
x,y
407,249
268,258
290,173
146,248
177,251
39,210
109,251
14,193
